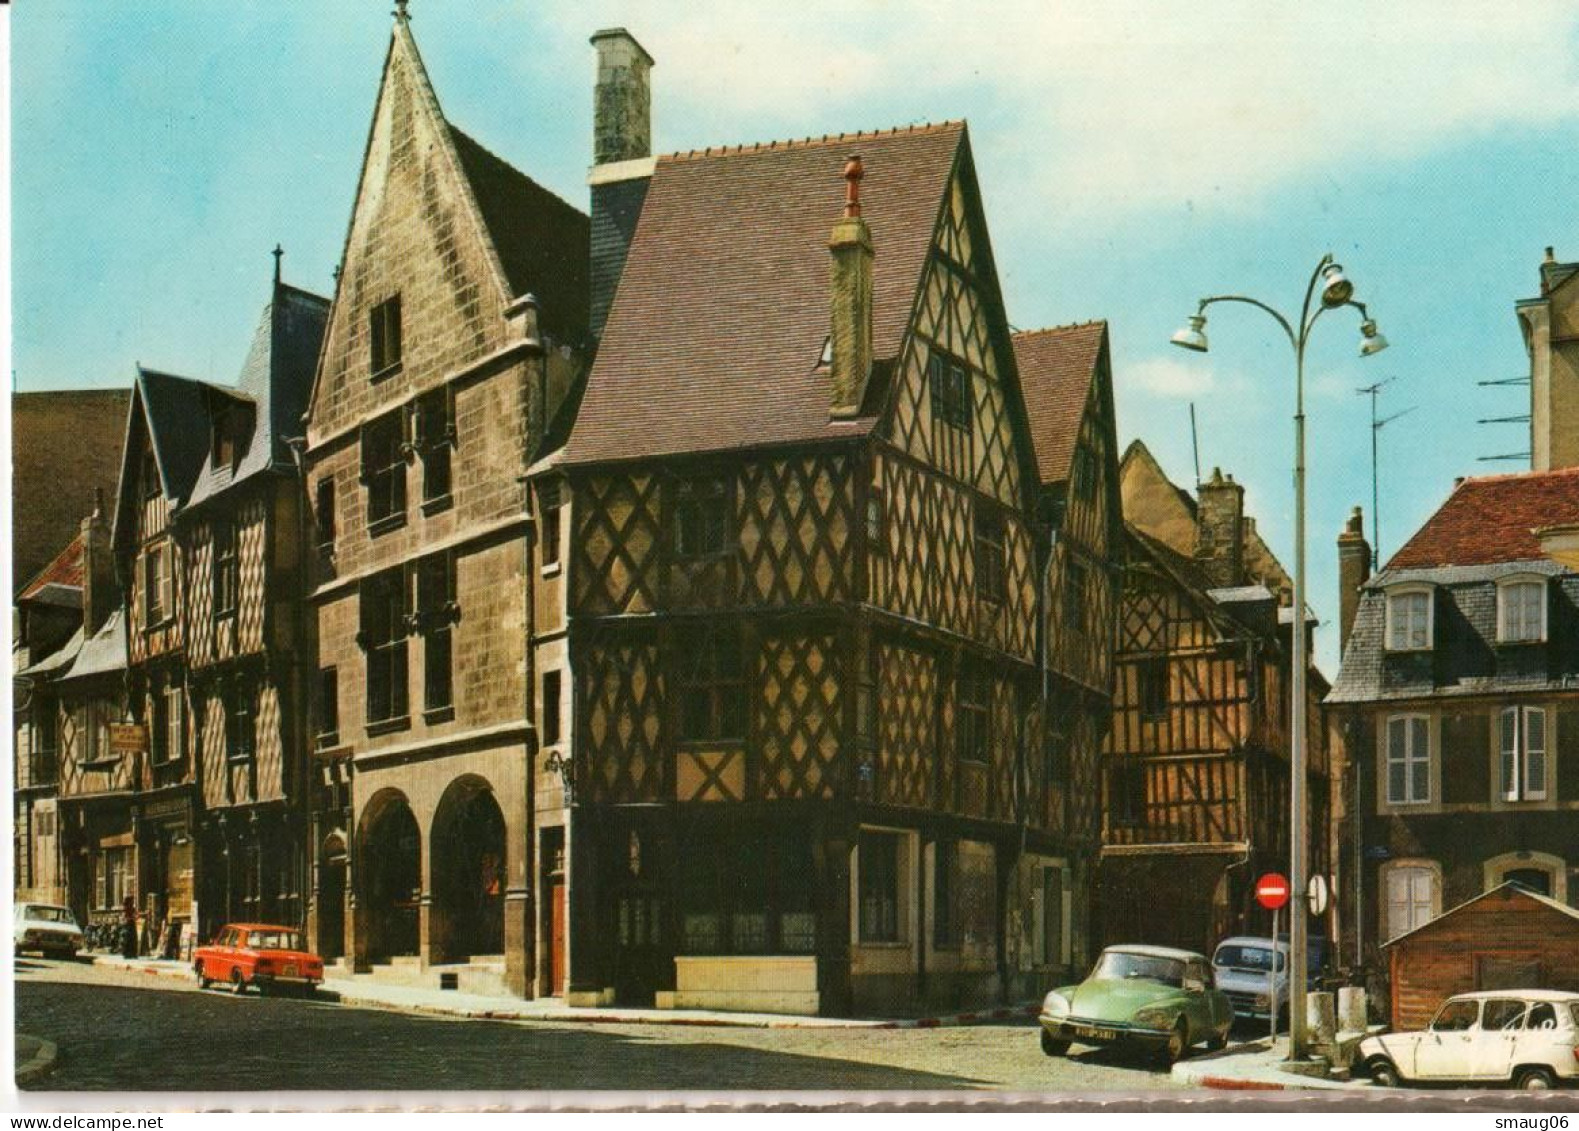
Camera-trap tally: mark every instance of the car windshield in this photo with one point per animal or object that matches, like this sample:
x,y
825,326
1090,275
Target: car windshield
x,y
1154,968
274,940
1257,959
46,914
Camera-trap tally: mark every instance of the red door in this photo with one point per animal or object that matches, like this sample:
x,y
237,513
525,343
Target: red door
x,y
559,912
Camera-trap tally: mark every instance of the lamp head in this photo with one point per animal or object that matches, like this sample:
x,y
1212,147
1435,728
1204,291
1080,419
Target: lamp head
x,y
1371,340
1335,288
1193,336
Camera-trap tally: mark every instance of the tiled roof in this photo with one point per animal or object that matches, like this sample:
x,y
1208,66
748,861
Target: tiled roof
x,y
723,308
1490,519
543,242
66,570
1056,370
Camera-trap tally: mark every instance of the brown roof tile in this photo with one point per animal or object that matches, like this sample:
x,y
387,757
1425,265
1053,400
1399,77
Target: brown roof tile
x,y
1056,370
721,313
66,569
1490,519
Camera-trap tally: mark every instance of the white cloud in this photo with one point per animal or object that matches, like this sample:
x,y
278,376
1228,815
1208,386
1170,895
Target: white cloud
x,y
1167,377
1109,105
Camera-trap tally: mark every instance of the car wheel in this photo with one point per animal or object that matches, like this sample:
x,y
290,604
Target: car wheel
x,y
1534,1079
1052,1046
1178,1042
203,980
1218,1041
1384,1074
238,984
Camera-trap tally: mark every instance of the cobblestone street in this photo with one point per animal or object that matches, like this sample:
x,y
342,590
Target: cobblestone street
x,y
110,1024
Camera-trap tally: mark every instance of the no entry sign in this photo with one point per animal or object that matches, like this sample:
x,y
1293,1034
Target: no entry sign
x,y
1272,891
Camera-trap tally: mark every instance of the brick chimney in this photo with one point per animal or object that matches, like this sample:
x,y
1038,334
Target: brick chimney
x,y
622,159
850,287
1219,530
1354,570
100,594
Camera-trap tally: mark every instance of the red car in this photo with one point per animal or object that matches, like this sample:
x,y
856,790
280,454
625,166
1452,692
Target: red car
x,y
257,954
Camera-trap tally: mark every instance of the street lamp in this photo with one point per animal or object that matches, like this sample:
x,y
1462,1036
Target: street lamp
x,y
1336,291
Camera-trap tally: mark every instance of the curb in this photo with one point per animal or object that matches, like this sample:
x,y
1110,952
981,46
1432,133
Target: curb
x,y
41,1061
1008,1013
1231,1084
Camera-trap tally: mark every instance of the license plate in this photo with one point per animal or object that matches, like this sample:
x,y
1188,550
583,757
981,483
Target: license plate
x,y
1095,1034
289,971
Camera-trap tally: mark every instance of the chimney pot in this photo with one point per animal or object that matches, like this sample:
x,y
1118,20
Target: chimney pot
x,y
622,99
1354,570
850,300
1220,530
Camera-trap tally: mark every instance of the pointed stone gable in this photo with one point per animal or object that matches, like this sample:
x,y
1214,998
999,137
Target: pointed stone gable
x,y
417,232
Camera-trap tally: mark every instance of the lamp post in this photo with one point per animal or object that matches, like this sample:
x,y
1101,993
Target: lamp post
x,y
1336,291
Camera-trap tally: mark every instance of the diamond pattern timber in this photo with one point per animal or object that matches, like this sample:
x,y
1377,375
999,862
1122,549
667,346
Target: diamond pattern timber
x,y
622,699
907,727
799,715
795,517
618,544
1005,743
252,550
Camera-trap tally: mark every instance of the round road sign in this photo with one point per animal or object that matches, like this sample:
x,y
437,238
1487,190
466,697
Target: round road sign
x,y
1272,891
1319,894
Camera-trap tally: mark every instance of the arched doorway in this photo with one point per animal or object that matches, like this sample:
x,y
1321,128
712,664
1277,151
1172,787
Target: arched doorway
x,y
468,859
390,867
331,896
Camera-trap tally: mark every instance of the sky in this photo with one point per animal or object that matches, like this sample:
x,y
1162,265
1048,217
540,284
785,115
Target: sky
x,y
1134,156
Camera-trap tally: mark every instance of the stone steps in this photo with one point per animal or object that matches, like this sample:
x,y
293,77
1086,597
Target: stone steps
x,y
483,974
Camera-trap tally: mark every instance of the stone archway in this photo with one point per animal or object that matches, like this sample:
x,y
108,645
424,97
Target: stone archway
x,y
389,867
467,859
330,898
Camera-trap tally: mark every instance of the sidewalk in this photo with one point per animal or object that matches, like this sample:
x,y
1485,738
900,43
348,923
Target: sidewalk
x,y
1254,1067
363,992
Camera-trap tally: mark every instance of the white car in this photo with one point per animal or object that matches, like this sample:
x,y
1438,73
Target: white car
x,y
1529,1038
46,928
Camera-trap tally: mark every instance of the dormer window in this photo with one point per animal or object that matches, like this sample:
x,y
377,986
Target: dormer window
x,y
384,336
222,439
1521,610
1409,620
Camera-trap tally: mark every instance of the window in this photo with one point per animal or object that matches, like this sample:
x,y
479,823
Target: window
x,y
950,385
878,863
384,470
383,612
323,514
712,688
973,730
436,615
876,543
1456,1016
226,568
384,335
1501,1013
433,417
111,887
1127,791
159,583
1523,754
1151,687
169,724
701,519
548,505
241,734
328,706
45,737
1408,759
1521,612
1408,620
1411,897
991,581
551,701
224,446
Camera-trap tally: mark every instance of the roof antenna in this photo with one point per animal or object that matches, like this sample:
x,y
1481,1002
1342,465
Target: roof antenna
x,y
278,253
1195,445
1376,427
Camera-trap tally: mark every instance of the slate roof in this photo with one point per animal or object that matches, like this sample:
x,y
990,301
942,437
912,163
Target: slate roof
x,y
57,659
65,570
723,308
176,410
275,381
1056,368
544,244
104,651
1491,519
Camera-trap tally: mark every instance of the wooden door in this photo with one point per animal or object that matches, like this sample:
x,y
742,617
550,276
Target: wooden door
x,y
559,915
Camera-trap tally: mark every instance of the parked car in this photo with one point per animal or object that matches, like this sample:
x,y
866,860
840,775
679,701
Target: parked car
x,y
257,954
1529,1038
1253,972
1151,998
46,928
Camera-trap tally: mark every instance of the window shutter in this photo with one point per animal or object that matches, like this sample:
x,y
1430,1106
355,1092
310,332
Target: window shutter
x,y
1420,759
1534,754
1510,754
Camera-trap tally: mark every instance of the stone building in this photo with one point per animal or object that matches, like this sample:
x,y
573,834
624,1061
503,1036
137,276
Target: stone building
x,y
1196,779
807,746
457,327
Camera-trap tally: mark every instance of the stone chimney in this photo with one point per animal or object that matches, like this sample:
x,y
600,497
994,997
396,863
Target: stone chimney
x,y
622,160
850,290
1354,570
1219,530
100,594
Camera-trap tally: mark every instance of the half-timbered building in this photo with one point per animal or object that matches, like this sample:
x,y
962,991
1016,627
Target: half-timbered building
x,y
458,318
792,684
1195,770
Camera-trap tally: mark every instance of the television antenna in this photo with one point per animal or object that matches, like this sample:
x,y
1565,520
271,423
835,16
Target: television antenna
x,y
1377,424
